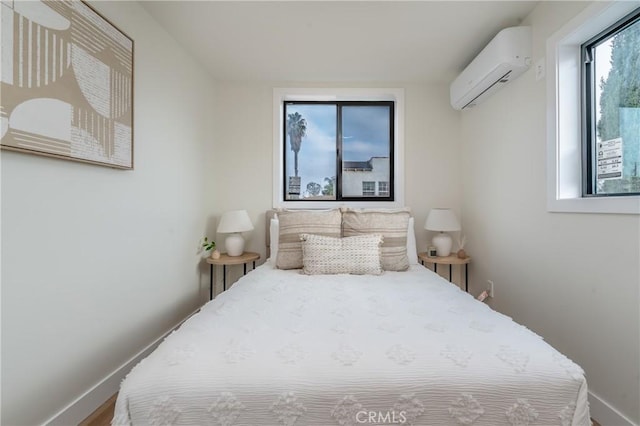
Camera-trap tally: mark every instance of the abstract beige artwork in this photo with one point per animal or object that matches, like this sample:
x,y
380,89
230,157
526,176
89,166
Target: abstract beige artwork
x,y
66,83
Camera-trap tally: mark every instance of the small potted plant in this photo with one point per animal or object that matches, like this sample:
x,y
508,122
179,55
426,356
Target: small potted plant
x,y
210,245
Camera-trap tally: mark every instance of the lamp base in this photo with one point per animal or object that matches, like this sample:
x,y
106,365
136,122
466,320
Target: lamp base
x,y
443,244
234,244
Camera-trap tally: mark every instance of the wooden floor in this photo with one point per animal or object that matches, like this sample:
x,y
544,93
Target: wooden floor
x,y
103,415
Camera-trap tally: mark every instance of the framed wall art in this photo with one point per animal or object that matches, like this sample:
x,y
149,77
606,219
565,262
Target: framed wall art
x,y
66,83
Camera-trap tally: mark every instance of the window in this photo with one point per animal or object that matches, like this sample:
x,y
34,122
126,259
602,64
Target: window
x,y
569,171
284,157
368,189
337,150
611,122
383,189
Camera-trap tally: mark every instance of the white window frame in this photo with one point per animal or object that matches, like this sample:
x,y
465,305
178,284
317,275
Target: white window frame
x,y
280,95
564,113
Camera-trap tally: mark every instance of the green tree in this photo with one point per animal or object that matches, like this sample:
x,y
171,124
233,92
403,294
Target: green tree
x,y
329,185
296,129
314,188
621,89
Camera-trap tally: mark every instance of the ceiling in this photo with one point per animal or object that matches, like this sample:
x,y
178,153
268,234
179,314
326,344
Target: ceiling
x,y
336,41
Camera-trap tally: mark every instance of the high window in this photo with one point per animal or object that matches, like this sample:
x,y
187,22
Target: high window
x,y
337,150
611,108
592,70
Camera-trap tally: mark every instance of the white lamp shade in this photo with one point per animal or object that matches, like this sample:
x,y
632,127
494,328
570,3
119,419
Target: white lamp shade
x,y
443,220
235,221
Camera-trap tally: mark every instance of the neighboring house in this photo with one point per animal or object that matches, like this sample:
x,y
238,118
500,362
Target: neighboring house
x,y
366,178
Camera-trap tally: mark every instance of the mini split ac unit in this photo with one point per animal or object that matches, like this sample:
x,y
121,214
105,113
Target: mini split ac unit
x,y
505,57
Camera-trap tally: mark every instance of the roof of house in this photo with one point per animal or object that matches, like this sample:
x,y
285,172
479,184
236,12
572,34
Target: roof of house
x,y
357,165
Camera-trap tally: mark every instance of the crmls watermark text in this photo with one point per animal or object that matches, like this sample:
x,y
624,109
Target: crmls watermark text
x,y
381,417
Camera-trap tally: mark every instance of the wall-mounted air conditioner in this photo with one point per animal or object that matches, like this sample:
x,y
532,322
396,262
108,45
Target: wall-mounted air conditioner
x,y
505,57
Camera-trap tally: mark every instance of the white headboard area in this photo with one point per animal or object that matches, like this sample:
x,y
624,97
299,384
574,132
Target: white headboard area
x,y
269,214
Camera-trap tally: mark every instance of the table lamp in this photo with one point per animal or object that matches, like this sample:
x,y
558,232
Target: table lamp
x,y
443,221
234,222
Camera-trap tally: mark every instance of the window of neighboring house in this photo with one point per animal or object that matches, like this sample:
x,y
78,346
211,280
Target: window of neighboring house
x,y
592,107
337,150
368,189
611,98
383,189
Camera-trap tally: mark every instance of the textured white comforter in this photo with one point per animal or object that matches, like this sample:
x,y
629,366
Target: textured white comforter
x,y
280,348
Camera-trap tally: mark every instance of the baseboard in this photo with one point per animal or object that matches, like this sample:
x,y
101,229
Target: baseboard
x,y
602,412
87,403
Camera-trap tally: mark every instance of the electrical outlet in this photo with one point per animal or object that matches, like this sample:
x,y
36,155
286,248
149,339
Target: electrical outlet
x,y
490,288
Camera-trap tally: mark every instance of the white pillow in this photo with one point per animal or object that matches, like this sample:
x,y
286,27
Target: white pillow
x,y
412,249
358,255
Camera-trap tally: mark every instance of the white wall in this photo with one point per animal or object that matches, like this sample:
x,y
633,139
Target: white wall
x,y
572,278
243,147
97,263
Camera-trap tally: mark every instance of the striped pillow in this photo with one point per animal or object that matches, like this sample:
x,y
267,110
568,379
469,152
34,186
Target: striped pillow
x,y
353,255
391,224
294,223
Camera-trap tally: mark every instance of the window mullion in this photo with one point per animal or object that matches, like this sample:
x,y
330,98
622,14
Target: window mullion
x,y
338,183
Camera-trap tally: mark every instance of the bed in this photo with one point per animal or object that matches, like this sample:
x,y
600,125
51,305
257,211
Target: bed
x,y
402,347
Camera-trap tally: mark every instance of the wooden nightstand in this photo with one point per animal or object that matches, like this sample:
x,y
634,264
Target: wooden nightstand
x,y
226,260
448,260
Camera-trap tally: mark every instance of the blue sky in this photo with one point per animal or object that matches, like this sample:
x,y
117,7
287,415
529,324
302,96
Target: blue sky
x,y
365,135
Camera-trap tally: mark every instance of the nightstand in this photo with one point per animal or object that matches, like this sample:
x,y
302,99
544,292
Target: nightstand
x,y
448,260
226,260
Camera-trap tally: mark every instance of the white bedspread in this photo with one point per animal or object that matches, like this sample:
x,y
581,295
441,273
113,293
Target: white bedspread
x,y
281,348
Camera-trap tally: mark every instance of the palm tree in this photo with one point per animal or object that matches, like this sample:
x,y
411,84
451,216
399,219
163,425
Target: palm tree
x,y
296,129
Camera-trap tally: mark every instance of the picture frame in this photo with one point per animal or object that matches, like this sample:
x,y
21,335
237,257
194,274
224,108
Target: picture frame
x,y
67,83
